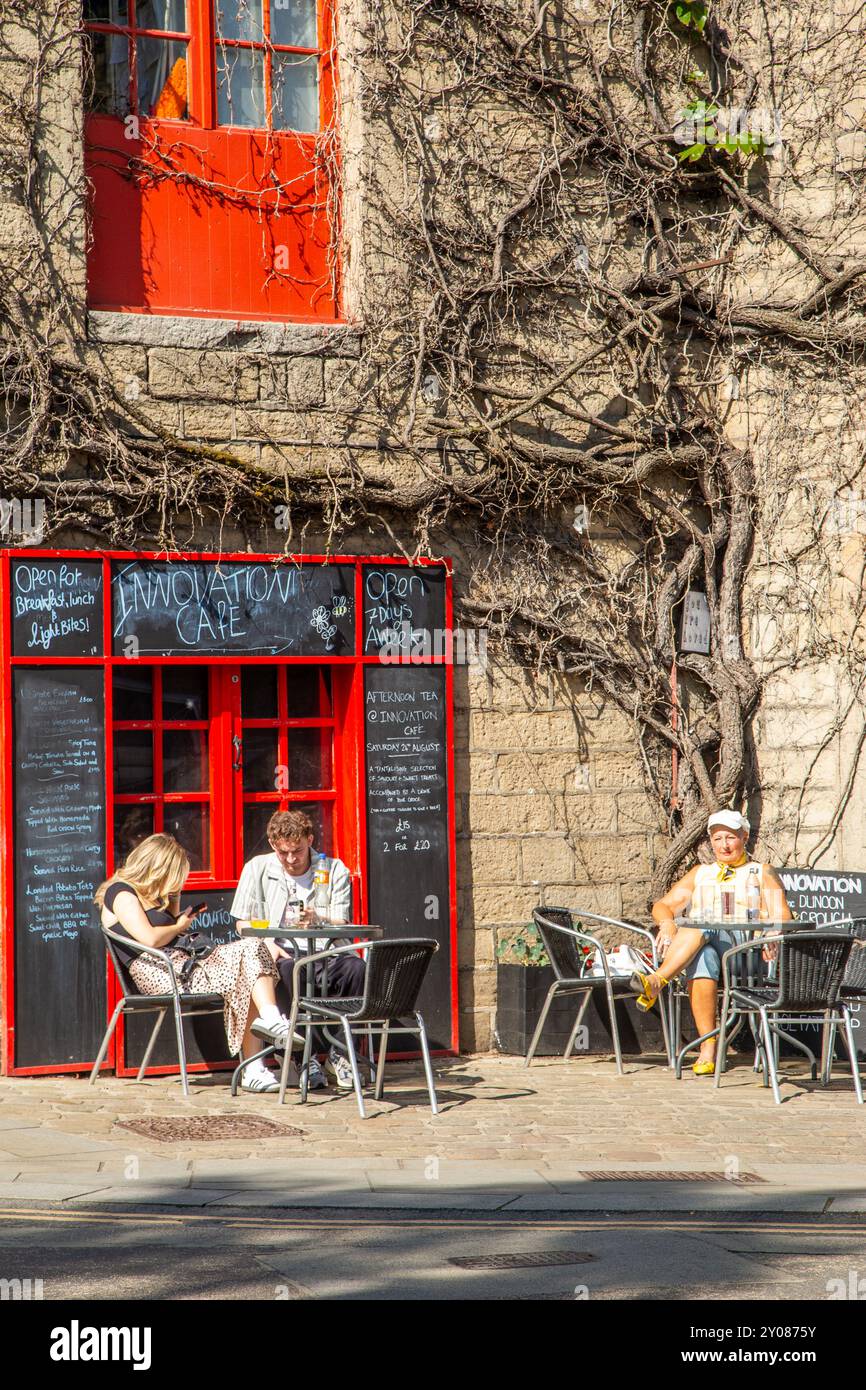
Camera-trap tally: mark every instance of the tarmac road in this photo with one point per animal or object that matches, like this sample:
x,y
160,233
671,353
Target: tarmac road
x,y
280,1255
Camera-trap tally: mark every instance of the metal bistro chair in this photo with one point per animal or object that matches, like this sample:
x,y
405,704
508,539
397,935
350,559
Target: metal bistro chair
x,y
811,967
562,942
181,1005
396,970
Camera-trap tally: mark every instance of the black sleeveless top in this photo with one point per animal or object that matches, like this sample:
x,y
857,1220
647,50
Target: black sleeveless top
x,y
156,916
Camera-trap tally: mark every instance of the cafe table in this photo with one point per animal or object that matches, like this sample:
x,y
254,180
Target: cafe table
x,y
303,941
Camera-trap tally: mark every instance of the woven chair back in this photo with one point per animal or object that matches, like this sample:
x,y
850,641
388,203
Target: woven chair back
x,y
394,976
811,968
563,950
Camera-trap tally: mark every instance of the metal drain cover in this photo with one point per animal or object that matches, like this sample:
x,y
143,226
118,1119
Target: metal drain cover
x,y
614,1176
532,1259
178,1128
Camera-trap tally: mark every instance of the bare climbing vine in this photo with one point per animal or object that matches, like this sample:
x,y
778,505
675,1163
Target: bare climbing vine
x,y
583,274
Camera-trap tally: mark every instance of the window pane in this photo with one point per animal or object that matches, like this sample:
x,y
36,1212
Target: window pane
x,y
184,692
259,692
106,11
133,760
304,701
184,760
293,22
256,817
162,78
132,693
161,14
132,824
240,87
321,813
309,759
240,19
296,92
107,74
190,826
260,760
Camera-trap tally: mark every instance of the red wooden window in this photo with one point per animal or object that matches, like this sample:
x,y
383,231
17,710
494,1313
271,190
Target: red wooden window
x,y
287,745
211,155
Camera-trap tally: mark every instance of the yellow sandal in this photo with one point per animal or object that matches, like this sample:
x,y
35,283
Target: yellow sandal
x,y
645,1000
704,1068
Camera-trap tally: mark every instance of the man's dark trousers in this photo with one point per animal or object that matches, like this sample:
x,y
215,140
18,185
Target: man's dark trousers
x,y
345,979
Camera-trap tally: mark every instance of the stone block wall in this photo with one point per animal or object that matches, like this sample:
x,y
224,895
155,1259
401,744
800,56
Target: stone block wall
x,y
551,809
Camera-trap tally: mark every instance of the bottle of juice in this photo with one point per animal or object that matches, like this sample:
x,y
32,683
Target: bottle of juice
x,y
321,902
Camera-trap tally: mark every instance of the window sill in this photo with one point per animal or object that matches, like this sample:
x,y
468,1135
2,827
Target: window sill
x,y
168,330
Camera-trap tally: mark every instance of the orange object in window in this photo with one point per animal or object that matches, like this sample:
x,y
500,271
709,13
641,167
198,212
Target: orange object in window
x,y
171,103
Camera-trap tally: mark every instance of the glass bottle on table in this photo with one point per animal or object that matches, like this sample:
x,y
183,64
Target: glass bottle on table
x,y
753,895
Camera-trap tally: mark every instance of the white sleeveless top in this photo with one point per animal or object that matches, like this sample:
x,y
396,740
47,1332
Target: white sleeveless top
x,y
706,898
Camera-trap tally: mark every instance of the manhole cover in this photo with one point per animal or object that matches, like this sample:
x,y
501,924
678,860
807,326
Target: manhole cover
x,y
614,1176
177,1128
533,1259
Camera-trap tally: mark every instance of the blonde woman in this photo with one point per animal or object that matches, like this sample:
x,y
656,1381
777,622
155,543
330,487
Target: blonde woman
x,y
140,901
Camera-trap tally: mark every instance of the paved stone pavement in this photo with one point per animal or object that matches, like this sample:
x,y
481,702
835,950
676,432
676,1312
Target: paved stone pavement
x,y
507,1138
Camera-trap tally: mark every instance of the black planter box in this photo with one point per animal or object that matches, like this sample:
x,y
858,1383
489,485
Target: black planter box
x,y
521,992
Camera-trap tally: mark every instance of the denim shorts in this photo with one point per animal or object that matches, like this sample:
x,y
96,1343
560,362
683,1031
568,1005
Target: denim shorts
x,y
707,964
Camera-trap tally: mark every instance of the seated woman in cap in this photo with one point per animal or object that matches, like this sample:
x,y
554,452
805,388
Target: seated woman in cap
x,y
697,951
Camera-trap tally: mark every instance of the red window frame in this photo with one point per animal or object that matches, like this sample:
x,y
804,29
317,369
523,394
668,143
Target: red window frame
x,y
218,220
347,715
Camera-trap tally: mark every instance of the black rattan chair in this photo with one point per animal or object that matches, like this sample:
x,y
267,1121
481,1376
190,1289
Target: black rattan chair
x,y
395,972
852,992
181,1005
810,969
562,942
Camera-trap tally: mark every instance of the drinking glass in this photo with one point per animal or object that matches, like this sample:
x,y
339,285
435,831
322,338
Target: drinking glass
x,y
259,915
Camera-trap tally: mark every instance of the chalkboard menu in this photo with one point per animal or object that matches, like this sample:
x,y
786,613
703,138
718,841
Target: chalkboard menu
x,y
254,609
404,611
205,1036
56,607
405,732
824,897
58,862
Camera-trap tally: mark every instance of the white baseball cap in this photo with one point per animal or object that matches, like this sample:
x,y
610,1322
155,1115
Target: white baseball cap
x,y
732,820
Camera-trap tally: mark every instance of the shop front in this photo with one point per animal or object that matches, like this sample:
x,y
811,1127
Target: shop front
x,y
197,694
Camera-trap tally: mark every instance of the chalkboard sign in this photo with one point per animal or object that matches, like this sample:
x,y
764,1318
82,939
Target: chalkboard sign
x,y
404,611
407,826
206,1036
254,609
824,897
58,716
56,607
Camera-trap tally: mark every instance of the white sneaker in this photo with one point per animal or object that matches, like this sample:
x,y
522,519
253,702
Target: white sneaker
x,y
277,1032
340,1067
258,1079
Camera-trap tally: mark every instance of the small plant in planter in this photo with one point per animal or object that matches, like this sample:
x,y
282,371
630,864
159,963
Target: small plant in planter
x,y
521,946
